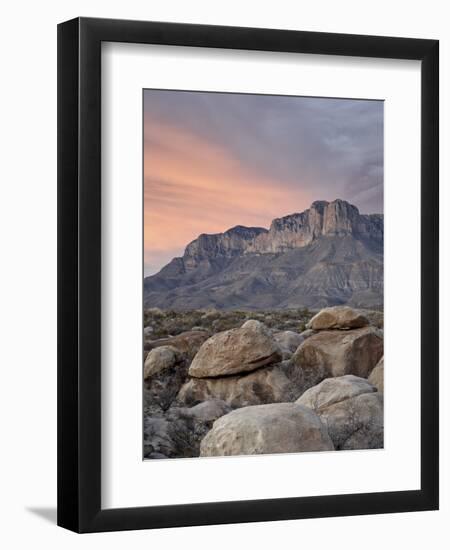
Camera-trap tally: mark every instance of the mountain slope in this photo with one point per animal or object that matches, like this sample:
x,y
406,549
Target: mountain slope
x,y
329,254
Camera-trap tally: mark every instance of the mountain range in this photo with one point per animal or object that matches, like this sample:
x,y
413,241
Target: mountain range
x,y
329,254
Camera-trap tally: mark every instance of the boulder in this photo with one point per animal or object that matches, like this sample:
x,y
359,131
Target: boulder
x,y
355,423
266,429
188,343
338,317
235,351
288,341
377,376
273,384
160,359
336,353
334,390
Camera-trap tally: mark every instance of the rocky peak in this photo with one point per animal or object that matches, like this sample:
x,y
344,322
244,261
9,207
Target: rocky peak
x,y
232,242
322,219
340,218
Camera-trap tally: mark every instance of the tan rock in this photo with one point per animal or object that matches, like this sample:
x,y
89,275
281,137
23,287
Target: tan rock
x,y
266,429
338,317
271,384
337,353
160,359
334,390
235,351
377,376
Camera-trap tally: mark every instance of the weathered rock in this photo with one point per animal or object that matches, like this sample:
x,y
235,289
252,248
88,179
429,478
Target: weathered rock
x,y
266,429
338,317
273,384
288,341
235,351
356,423
160,359
336,353
177,433
377,376
188,343
334,390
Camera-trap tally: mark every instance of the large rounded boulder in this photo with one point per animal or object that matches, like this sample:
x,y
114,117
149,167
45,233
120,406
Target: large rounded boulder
x,y
334,390
351,410
235,351
267,429
336,353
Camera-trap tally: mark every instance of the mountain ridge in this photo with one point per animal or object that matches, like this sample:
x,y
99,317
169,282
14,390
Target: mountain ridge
x,y
326,255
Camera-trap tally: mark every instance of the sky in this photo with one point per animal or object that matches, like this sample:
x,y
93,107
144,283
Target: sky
x,y
216,160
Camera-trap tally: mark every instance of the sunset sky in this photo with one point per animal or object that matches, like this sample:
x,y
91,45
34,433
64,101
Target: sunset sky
x,y
213,161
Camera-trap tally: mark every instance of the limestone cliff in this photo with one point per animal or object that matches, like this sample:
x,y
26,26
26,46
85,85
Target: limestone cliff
x,y
326,255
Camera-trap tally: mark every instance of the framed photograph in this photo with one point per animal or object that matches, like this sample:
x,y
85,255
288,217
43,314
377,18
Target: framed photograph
x,y
247,233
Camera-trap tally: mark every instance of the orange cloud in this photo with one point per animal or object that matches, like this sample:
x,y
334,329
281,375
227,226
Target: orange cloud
x,y
192,186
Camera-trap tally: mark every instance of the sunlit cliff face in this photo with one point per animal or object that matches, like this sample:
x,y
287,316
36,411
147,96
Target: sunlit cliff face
x,y
210,170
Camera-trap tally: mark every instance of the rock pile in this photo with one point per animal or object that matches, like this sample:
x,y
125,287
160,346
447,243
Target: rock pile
x,y
253,390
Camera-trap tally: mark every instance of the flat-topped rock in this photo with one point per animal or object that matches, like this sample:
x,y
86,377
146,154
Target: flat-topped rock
x,y
338,317
238,350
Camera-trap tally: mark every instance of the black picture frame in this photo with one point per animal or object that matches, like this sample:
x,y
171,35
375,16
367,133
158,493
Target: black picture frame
x,y
79,274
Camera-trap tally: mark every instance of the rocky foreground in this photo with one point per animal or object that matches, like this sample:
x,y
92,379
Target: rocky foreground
x,y
258,388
